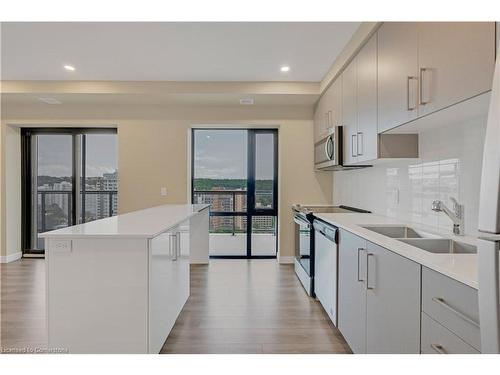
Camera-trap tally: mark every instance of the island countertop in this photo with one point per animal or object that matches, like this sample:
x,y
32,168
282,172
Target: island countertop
x,y
146,223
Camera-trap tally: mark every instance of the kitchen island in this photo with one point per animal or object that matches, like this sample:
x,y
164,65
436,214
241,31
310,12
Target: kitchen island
x,y
117,285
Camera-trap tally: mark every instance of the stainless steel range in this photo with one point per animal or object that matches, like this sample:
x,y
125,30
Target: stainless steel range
x,y
303,216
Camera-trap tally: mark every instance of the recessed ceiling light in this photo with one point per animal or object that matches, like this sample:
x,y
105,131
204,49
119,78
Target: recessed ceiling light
x,y
71,68
49,100
285,69
247,101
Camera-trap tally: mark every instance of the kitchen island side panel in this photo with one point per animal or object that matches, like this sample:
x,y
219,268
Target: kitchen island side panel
x,y
97,295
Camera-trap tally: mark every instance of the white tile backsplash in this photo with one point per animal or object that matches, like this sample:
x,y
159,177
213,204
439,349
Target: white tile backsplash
x,y
449,165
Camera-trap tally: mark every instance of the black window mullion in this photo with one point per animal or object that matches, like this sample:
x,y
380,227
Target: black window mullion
x,y
26,201
250,188
74,193
84,176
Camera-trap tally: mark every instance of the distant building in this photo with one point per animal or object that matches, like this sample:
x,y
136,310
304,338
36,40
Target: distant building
x,y
223,202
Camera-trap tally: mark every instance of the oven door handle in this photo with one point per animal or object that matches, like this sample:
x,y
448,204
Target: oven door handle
x,y
301,222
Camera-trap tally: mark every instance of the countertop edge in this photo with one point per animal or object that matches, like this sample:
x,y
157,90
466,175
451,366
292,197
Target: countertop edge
x,y
54,234
376,238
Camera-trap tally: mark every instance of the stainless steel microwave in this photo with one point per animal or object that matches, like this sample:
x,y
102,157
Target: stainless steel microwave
x,y
328,151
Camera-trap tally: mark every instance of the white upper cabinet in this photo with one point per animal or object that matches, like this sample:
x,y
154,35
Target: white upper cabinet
x,y
367,143
456,62
350,113
359,106
335,102
397,74
328,111
425,67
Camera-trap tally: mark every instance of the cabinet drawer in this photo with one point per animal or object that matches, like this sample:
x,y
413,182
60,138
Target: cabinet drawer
x,y
436,339
452,304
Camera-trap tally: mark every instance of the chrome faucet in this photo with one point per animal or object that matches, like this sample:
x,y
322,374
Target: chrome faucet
x,y
457,215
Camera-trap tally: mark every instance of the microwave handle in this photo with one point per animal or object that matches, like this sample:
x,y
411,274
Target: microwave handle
x,y
329,148
327,153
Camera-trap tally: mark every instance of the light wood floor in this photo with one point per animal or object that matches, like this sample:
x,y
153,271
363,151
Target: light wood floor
x,y
236,306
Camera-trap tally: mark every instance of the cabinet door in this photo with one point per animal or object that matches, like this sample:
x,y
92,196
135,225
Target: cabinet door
x,y
367,135
352,290
397,74
392,303
317,120
321,119
336,102
456,61
162,290
182,275
327,111
349,113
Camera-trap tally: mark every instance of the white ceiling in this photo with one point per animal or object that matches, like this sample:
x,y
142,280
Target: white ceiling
x,y
171,51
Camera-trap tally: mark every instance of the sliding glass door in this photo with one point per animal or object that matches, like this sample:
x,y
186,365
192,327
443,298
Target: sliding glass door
x,y
235,171
69,177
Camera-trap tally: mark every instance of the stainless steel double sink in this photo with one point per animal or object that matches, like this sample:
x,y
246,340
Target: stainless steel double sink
x,y
423,240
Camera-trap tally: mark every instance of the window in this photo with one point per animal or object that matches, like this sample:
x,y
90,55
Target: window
x,y
235,171
69,177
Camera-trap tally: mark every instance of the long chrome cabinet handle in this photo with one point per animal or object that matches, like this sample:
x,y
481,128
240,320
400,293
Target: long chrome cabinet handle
x,y
178,247
361,137
409,106
359,250
438,348
353,141
368,256
443,303
421,89
174,246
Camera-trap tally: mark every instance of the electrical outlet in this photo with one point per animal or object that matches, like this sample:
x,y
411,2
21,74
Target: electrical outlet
x,y
61,246
163,191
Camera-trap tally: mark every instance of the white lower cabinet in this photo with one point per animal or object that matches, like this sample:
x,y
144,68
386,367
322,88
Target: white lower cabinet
x,y
169,283
379,298
392,302
352,290
455,307
436,339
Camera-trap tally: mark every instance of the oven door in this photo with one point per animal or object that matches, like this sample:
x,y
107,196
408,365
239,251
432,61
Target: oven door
x,y
303,243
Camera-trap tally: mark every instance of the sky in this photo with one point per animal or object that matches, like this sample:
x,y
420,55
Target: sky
x,y
54,154
223,154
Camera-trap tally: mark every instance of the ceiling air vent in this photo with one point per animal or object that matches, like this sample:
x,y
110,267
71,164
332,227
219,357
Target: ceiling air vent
x,y
247,101
49,100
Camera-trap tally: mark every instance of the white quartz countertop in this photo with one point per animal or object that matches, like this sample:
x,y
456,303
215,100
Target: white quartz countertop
x,y
461,267
147,223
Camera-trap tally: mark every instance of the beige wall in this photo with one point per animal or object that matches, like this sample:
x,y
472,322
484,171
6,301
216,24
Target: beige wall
x,y
154,153
10,181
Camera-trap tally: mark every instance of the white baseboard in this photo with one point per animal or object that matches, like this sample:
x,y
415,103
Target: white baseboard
x,y
286,260
11,257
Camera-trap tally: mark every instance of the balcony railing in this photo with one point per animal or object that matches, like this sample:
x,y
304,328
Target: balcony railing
x,y
232,204
111,195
